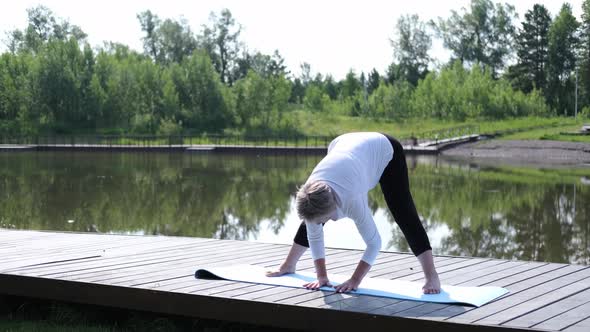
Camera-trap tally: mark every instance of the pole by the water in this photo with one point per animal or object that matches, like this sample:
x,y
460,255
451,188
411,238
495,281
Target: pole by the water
x,y
576,99
576,103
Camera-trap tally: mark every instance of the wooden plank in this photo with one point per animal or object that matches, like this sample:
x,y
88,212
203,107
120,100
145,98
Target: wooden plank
x,y
569,318
515,284
6,267
143,246
287,294
485,272
188,267
558,308
518,293
446,275
416,273
412,262
49,270
187,283
309,266
48,247
118,260
497,279
203,307
311,299
278,255
407,266
356,303
347,302
581,326
382,260
532,300
12,236
246,289
452,277
427,308
260,293
118,265
502,274
390,310
184,282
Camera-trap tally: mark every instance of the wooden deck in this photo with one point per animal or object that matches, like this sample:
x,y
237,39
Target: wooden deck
x,y
156,273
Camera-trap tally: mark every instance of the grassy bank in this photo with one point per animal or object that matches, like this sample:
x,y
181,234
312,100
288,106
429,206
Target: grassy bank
x,y
554,133
311,124
305,128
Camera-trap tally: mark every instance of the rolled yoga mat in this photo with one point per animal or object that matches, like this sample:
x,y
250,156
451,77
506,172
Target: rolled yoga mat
x,y
397,289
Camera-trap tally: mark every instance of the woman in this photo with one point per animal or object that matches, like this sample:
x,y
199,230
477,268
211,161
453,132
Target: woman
x,y
338,187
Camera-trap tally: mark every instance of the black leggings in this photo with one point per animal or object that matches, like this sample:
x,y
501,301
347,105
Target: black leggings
x,y
395,186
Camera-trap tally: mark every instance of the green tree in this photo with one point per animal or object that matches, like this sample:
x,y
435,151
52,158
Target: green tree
x,y
166,41
263,64
149,25
350,85
57,84
563,43
532,50
297,91
42,27
458,93
17,114
374,81
204,101
391,101
330,87
410,47
221,42
261,101
176,41
315,99
584,73
484,33
305,74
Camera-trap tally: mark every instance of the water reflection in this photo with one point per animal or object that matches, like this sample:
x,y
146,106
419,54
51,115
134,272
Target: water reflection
x,y
502,212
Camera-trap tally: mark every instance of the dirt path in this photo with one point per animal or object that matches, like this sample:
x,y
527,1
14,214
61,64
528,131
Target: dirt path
x,y
525,152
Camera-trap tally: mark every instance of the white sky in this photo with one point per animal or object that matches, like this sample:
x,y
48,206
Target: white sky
x,y
333,36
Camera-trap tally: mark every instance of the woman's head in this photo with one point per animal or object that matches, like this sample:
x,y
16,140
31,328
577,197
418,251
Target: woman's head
x,y
315,199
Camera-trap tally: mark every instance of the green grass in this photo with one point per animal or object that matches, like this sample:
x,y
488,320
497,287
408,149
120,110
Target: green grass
x,y
311,124
553,133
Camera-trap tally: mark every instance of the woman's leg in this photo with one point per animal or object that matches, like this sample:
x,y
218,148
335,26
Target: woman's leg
x,y
395,185
301,236
396,190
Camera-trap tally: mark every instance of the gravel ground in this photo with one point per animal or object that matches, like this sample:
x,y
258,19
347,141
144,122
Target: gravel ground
x,y
535,152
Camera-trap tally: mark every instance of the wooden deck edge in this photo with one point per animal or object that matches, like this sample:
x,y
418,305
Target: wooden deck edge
x,y
223,309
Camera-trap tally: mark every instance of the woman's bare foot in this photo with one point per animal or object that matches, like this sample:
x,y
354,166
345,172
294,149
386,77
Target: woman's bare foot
x,y
284,269
432,285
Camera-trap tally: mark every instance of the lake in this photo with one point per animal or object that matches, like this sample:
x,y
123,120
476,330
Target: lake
x,y
468,209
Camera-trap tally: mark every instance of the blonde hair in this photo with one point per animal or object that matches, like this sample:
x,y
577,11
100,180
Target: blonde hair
x,y
314,199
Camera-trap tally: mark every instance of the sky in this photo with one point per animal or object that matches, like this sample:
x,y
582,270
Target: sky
x,y
332,36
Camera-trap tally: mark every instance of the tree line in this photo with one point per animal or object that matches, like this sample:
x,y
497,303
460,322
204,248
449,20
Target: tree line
x,y
185,81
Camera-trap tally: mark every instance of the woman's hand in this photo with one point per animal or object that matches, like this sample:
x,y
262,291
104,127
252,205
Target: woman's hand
x,y
284,269
347,286
315,285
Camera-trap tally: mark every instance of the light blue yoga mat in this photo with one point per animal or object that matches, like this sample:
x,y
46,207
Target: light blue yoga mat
x,y
397,289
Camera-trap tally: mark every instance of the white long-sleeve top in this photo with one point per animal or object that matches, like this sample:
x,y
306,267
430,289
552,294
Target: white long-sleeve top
x,y
353,166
